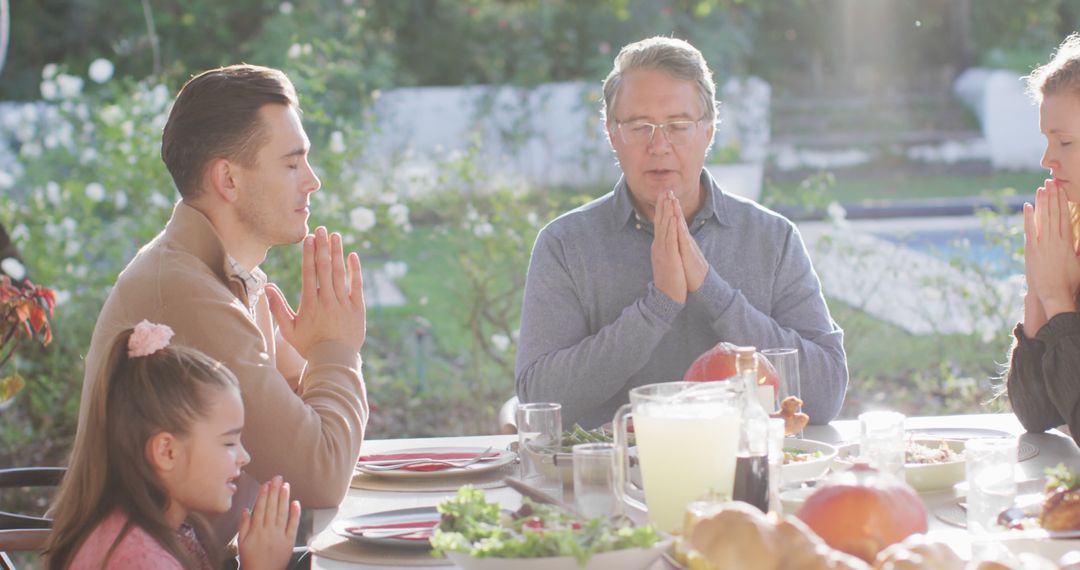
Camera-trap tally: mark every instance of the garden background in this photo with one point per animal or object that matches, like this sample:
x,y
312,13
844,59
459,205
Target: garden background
x,y
82,186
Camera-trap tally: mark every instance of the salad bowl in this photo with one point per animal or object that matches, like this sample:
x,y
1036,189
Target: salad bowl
x,y
925,475
627,559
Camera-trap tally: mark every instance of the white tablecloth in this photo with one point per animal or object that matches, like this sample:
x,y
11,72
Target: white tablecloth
x,y
1053,448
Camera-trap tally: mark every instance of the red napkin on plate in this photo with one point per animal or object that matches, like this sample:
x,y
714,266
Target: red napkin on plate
x,y
446,455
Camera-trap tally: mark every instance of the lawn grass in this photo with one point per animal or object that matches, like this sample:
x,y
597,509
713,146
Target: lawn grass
x,y
908,184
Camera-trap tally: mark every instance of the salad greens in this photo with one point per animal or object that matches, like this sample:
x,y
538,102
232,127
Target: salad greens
x,y
481,529
578,434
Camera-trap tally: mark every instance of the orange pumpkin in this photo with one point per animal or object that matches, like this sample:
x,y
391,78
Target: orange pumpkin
x,y
862,511
718,363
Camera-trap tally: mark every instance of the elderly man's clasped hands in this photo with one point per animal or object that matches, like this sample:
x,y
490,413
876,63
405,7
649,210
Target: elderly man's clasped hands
x,y
679,267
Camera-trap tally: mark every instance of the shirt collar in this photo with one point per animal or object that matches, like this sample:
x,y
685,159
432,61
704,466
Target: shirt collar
x,y
253,280
712,206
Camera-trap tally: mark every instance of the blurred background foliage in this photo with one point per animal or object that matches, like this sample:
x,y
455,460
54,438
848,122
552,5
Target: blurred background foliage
x,y
90,189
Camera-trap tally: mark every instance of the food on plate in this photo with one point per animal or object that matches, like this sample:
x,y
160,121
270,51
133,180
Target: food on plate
x,y
1061,508
718,363
916,453
917,552
472,525
792,455
578,434
861,511
794,420
739,537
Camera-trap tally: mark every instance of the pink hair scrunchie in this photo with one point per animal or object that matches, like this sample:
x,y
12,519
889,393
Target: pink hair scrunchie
x,y
148,338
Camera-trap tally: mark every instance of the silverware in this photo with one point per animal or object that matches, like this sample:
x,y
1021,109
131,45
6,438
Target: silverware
x,y
391,532
391,464
540,496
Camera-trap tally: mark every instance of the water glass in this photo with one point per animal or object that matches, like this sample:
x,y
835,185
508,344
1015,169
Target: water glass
x,y
786,363
594,480
990,464
881,441
776,463
539,439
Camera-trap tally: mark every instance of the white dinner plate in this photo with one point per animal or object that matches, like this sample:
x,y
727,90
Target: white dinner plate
x,y
502,458
352,527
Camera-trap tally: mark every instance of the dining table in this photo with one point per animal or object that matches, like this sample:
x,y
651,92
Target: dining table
x,y
1052,448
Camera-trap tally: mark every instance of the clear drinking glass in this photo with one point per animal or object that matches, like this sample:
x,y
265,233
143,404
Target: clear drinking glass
x,y
881,441
539,439
594,479
786,363
991,478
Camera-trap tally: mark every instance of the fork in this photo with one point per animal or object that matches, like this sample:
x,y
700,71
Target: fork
x,y
391,465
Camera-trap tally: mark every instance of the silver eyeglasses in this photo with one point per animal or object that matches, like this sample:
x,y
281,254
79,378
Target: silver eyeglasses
x,y
677,133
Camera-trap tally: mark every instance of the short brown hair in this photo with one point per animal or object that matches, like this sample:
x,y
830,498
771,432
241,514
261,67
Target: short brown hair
x,y
215,115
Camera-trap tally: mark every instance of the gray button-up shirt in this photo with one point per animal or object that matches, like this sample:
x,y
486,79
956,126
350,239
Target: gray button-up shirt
x,y
593,325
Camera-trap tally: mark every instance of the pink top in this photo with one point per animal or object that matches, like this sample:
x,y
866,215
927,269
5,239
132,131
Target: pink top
x,y
137,550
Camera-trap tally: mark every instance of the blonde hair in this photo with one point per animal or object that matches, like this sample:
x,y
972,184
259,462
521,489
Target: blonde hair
x,y
132,400
676,57
1060,75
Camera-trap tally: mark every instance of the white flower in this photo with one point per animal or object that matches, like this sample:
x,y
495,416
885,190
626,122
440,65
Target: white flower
x,y
71,248
30,150
337,142
837,213
294,51
120,200
158,199
95,191
20,232
6,180
48,90
128,128
49,71
52,192
363,219
13,268
62,296
395,269
50,141
399,214
101,70
68,225
286,8
483,229
88,155
111,114
70,85
500,341
532,218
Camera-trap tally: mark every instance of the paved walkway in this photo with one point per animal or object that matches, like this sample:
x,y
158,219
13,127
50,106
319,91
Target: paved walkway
x,y
918,292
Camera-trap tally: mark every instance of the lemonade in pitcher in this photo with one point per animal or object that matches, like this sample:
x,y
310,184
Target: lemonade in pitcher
x,y
687,438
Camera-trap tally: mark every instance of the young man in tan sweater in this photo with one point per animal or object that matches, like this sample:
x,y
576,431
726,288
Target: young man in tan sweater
x,y
237,151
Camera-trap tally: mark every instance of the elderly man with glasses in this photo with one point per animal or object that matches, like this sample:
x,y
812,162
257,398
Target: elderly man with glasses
x,y
631,288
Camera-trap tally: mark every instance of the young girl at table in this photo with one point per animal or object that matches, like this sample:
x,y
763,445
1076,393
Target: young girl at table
x,y
1043,379
161,444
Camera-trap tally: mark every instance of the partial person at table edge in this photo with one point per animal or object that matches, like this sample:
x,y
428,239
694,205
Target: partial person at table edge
x,y
1043,377
629,289
238,154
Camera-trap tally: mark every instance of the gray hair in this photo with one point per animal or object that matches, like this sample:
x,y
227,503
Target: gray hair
x,y
1062,73
676,57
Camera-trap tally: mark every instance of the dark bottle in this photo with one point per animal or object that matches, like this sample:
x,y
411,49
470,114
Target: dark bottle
x,y
752,461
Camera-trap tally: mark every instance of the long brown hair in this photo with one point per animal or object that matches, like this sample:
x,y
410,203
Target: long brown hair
x,y
1060,75
134,399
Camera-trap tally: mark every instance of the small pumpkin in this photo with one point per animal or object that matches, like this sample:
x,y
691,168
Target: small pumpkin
x,y
718,363
862,511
